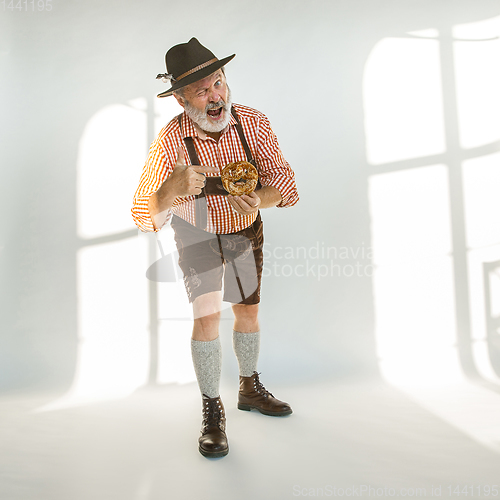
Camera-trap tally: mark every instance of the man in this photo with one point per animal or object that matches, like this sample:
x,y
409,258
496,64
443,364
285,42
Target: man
x,y
219,236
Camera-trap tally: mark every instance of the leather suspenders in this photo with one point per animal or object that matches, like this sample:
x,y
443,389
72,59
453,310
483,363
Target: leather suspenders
x,y
213,185
243,140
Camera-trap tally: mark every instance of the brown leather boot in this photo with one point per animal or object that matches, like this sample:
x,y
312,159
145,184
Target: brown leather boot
x,y
254,395
213,440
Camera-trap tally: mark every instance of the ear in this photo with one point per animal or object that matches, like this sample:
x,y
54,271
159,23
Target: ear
x,y
180,100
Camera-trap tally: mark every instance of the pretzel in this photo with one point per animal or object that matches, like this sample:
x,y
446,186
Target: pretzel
x,y
239,178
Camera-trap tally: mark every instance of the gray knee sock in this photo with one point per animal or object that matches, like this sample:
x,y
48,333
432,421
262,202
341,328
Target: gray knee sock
x,y
246,347
207,361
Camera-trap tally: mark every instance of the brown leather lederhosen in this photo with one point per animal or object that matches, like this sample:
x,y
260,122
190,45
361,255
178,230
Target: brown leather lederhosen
x,y
213,185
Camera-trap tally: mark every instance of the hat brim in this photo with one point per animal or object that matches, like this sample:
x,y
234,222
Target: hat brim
x,y
196,76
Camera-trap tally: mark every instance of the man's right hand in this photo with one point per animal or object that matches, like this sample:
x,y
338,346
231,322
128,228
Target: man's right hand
x,y
186,180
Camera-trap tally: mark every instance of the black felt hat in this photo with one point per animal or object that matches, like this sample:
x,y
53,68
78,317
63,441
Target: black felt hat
x,y
187,63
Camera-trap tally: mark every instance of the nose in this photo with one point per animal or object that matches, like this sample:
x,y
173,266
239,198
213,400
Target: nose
x,y
214,95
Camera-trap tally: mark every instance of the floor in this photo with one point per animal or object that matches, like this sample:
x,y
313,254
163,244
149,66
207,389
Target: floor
x,y
344,439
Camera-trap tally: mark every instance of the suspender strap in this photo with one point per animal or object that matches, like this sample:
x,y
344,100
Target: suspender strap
x,y
200,202
243,140
244,143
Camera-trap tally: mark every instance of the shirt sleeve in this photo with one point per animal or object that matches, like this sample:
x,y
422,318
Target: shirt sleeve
x,y
274,170
159,165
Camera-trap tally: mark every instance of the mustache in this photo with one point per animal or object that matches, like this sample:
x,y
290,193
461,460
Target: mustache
x,y
215,105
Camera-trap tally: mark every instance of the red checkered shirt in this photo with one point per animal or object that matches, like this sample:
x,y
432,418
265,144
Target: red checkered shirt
x,y
221,218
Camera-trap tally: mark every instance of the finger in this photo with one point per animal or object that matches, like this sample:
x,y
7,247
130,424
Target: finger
x,y
237,202
180,157
199,177
195,179
245,205
251,199
233,202
201,169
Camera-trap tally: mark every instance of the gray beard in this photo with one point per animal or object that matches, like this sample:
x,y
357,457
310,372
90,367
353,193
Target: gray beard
x,y
201,119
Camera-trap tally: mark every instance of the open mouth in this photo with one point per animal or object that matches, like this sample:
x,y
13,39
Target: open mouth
x,y
215,113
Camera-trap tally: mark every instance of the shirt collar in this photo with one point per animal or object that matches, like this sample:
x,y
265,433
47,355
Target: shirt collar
x,y
191,129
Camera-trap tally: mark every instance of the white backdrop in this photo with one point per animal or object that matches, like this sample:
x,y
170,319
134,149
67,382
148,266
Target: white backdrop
x,y
388,113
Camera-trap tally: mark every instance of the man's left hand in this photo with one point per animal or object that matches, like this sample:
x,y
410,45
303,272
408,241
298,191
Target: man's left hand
x,y
245,204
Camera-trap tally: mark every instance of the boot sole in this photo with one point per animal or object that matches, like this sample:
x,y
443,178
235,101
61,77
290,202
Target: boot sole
x,y
213,454
244,407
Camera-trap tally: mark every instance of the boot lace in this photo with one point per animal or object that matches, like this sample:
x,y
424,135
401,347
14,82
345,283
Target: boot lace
x,y
257,385
213,415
